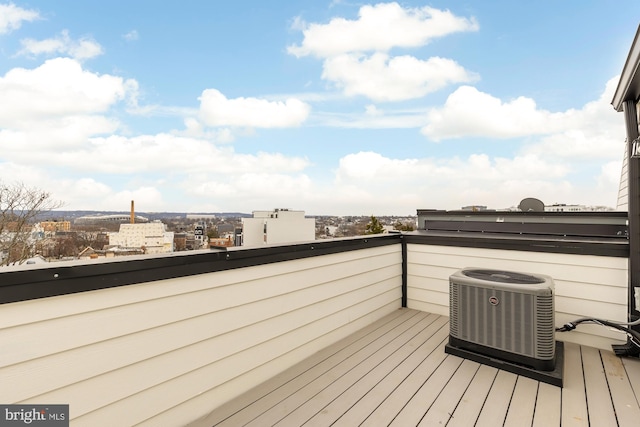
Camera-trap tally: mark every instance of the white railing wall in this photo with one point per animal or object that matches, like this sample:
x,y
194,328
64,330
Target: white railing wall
x,y
168,352
585,285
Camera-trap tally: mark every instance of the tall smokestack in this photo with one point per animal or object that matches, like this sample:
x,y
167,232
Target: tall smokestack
x,y
133,215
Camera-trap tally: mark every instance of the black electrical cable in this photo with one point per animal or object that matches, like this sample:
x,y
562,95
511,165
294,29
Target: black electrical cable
x,y
632,348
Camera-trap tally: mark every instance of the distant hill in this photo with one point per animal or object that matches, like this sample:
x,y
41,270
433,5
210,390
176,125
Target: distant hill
x,y
71,215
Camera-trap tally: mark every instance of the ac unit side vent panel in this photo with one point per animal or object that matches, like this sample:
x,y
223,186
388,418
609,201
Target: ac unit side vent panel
x,y
517,324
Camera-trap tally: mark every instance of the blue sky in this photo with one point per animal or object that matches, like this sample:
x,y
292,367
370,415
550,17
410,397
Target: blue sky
x,y
331,107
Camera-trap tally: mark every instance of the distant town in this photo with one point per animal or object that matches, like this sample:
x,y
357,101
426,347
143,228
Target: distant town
x,y
68,235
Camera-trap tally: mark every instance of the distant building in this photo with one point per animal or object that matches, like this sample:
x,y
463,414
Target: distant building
x,y
180,241
561,207
52,226
201,216
474,208
225,229
199,234
153,237
217,242
117,218
277,226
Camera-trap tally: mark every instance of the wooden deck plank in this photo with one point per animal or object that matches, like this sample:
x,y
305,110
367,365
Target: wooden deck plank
x,y
373,375
495,409
290,406
355,405
596,388
574,400
266,395
624,401
632,368
369,365
397,399
420,403
522,403
444,406
395,372
548,408
468,410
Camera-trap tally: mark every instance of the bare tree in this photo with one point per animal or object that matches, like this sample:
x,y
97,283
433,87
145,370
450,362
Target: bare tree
x,y
20,205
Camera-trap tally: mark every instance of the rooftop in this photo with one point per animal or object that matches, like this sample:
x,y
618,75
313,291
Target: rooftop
x,y
332,330
395,372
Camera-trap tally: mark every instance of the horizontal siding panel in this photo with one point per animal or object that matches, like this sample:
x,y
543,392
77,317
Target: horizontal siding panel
x,y
52,336
429,283
577,268
63,368
142,406
438,298
428,307
589,308
417,251
39,310
431,271
609,294
235,326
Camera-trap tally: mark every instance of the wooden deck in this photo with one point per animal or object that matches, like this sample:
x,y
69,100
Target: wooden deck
x,y
395,372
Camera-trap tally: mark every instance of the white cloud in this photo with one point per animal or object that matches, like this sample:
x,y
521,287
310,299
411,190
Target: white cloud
x,y
610,174
381,78
355,56
195,129
55,134
372,110
450,183
217,110
12,17
28,174
160,153
56,89
147,197
84,48
372,118
150,168
593,131
478,167
379,28
89,193
131,35
253,185
469,112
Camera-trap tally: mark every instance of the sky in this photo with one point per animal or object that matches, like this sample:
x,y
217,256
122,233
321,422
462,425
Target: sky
x,y
327,106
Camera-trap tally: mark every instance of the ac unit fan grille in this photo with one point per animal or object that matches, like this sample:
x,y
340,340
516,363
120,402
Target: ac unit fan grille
x,y
503,276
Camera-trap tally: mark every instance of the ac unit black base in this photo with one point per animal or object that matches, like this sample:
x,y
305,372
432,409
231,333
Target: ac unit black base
x,y
553,377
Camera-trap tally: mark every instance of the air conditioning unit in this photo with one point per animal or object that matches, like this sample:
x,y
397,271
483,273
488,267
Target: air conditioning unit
x,y
503,314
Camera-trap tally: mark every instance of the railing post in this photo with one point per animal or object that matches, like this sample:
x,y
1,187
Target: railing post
x,y
403,242
633,187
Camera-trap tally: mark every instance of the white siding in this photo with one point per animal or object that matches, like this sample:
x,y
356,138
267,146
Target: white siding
x,y
585,285
153,236
277,227
623,189
168,352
